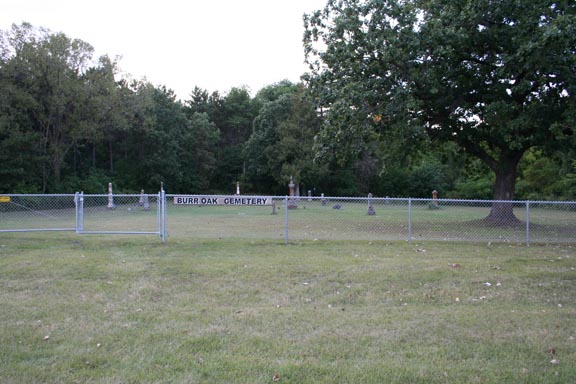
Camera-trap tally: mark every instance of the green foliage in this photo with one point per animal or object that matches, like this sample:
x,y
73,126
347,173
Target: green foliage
x,y
479,188
20,158
495,78
66,123
281,143
41,75
427,177
545,177
389,109
94,182
569,184
392,183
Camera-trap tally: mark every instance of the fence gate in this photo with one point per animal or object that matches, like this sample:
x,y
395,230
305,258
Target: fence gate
x,y
85,214
142,214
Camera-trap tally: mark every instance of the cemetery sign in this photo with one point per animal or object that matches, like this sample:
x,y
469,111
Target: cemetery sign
x,y
222,200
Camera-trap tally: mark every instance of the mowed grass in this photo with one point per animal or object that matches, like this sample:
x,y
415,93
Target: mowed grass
x,y
103,309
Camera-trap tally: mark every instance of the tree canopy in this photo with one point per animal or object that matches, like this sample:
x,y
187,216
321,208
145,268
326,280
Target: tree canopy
x,y
384,111
497,77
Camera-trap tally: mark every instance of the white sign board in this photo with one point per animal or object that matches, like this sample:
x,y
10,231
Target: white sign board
x,y
222,200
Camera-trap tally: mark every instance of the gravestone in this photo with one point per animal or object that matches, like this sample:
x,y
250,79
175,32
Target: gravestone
x,y
291,201
371,211
111,204
144,202
435,198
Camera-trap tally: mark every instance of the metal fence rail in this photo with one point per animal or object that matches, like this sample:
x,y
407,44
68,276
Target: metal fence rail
x,y
290,218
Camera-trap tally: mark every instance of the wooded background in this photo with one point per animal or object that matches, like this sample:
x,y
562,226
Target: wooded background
x,y
458,97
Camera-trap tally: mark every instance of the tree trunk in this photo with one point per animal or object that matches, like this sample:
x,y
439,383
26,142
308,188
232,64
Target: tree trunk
x,y
502,212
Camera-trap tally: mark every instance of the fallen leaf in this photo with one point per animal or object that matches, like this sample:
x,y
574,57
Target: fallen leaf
x,y
276,377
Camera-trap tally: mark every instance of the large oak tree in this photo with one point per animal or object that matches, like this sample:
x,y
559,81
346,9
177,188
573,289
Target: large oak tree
x,y
497,77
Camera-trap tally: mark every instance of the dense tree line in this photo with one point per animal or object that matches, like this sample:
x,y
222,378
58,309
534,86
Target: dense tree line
x,y
69,122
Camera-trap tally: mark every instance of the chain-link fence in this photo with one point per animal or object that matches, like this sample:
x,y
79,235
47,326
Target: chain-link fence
x,y
84,214
339,218
293,218
120,214
23,213
430,219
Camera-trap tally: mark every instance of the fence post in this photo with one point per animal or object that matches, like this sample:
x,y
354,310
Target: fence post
x,y
410,220
527,223
76,210
163,215
159,214
286,220
79,203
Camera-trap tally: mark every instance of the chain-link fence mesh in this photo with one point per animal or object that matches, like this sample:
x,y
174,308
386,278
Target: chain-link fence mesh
x,y
85,214
128,214
37,212
291,218
339,218
223,221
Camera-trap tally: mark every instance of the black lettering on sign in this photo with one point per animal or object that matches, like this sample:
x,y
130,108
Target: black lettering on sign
x,y
225,200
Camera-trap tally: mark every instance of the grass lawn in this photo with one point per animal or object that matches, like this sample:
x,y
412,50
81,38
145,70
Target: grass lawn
x,y
105,309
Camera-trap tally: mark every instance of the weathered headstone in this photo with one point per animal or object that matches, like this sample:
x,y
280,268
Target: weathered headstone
x,y
111,204
371,210
144,201
291,202
141,199
435,198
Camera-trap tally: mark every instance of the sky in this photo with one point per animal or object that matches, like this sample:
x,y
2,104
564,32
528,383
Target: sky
x,y
212,44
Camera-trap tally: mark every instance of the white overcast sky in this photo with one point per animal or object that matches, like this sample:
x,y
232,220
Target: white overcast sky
x,y
213,44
